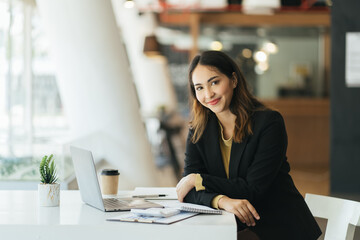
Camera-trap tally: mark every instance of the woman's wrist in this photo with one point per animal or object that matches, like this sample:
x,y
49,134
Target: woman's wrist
x,y
221,202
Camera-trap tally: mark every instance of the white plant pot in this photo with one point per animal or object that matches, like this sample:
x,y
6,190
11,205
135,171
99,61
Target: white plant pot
x,y
49,195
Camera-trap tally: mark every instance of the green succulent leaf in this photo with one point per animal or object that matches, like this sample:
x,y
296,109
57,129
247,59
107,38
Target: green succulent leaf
x,y
48,172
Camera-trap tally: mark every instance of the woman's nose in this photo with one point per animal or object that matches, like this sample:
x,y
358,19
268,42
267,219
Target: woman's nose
x,y
209,93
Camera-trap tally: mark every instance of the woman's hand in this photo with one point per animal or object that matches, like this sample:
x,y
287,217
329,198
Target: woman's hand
x,y
184,186
242,208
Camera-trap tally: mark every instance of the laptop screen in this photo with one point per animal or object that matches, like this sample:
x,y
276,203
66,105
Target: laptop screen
x,y
86,177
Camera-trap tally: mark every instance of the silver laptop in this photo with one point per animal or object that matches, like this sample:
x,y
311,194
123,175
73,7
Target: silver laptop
x,y
90,189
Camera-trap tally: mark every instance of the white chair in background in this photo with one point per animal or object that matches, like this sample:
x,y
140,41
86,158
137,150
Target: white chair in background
x,y
343,215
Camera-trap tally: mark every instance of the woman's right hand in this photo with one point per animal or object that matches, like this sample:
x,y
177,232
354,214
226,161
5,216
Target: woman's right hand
x,y
242,208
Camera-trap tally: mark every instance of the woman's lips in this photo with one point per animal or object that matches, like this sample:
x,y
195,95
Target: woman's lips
x,y
214,102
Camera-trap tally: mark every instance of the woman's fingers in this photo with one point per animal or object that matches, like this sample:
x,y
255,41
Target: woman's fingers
x,y
179,190
253,211
239,216
180,198
243,209
180,194
184,186
249,217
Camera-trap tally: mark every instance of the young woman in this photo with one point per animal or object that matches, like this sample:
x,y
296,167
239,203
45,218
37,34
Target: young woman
x,y
236,155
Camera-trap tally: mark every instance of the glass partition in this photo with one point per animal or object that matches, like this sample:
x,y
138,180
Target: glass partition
x,y
32,120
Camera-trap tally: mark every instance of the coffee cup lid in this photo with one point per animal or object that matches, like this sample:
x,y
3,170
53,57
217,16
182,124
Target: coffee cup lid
x,y
110,172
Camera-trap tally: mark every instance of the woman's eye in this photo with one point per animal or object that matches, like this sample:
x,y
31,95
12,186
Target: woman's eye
x,y
214,82
198,88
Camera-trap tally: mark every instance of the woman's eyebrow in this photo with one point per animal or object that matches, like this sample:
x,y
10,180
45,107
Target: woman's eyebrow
x,y
207,80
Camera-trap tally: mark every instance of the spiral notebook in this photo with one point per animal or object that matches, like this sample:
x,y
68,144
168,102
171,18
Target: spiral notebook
x,y
190,207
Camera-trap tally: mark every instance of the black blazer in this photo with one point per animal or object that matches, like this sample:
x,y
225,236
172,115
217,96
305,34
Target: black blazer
x,y
258,172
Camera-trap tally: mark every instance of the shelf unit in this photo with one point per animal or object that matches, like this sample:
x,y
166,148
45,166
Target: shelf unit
x,y
194,19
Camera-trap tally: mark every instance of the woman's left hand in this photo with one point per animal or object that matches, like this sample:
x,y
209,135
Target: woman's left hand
x,y
185,185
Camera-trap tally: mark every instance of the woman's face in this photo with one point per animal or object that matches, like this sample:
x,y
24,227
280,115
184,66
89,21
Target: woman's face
x,y
213,89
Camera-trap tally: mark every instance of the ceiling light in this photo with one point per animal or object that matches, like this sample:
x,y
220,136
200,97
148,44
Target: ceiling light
x,y
260,56
216,45
247,53
129,4
271,47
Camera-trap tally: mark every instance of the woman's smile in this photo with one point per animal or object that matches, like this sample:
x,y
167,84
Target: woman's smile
x,y
214,102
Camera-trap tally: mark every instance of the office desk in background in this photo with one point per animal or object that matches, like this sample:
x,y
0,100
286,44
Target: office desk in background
x,y
22,218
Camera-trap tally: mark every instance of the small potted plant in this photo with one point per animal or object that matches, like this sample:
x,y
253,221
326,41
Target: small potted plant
x,y
48,189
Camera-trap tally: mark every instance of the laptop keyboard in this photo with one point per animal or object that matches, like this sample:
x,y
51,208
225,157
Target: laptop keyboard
x,y
114,203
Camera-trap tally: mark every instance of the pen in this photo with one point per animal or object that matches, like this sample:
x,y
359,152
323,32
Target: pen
x,y
150,196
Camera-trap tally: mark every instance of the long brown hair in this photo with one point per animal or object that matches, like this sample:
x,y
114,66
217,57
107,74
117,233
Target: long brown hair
x,y
243,104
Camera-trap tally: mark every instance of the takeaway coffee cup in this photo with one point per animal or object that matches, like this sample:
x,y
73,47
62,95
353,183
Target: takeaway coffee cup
x,y
109,181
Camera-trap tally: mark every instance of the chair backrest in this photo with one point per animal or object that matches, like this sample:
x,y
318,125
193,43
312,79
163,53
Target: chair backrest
x,y
342,215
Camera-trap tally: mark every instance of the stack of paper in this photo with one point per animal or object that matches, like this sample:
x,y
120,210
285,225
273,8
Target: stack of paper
x,y
131,217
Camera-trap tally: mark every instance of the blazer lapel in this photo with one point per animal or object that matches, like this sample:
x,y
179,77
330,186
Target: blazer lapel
x,y
237,150
213,152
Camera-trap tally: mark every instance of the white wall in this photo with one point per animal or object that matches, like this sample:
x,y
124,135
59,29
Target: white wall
x,y
151,74
96,86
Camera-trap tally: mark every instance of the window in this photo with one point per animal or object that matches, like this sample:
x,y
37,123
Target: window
x,y
32,120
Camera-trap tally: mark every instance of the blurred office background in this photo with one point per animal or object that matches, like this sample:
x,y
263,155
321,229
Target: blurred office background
x,y
111,76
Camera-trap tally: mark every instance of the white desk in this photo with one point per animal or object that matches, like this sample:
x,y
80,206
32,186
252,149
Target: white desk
x,y
22,218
